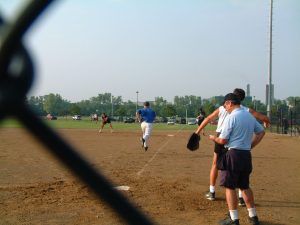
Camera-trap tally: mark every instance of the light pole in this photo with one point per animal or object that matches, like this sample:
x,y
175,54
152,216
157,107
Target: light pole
x,y
186,119
112,106
270,63
137,100
186,109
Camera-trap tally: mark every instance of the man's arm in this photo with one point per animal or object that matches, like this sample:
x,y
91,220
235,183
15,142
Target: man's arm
x,y
261,117
257,138
208,119
218,140
138,116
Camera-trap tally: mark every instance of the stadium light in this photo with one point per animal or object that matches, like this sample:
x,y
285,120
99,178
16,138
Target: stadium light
x,y
137,100
270,62
112,106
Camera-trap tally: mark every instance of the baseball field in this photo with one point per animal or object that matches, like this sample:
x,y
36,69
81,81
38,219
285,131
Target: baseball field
x,y
167,182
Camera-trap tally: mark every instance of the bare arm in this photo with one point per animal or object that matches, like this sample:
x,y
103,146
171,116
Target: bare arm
x,y
218,140
208,119
138,117
261,117
257,138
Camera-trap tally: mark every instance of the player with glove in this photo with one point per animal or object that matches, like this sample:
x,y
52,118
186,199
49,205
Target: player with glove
x,y
105,120
220,114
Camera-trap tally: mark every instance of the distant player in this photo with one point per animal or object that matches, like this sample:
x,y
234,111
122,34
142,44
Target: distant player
x,y
105,120
146,117
201,116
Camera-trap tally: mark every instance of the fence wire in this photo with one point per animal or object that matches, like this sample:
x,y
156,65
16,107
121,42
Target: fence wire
x,y
16,76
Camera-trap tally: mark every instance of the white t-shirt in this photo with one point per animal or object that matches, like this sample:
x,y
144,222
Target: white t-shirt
x,y
222,115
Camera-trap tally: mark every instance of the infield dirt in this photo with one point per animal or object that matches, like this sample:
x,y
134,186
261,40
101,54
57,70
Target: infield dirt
x,y
167,182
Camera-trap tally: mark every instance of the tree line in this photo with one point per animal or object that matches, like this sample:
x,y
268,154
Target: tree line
x,y
182,106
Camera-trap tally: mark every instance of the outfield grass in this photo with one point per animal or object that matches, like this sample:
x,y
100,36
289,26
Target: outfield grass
x,y
85,123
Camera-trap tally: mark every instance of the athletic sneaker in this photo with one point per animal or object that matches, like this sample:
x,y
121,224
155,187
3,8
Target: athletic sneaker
x,y
210,196
229,221
254,220
241,202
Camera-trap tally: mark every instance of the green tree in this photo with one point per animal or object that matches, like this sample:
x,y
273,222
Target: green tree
x,y
36,104
294,103
208,107
168,111
187,104
122,111
74,109
85,108
131,108
55,104
159,104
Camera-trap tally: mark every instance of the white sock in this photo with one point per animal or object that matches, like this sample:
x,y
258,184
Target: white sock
x,y
234,214
212,189
252,212
240,193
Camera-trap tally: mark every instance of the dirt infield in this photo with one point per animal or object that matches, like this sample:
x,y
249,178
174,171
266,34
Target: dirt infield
x,y
167,182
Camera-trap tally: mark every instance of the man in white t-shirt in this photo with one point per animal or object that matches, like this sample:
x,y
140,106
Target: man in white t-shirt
x,y
220,114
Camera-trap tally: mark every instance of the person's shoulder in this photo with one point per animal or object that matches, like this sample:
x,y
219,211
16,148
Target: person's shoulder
x,y
222,110
244,107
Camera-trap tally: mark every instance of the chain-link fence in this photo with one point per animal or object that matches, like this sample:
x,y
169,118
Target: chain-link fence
x,y
286,122
16,76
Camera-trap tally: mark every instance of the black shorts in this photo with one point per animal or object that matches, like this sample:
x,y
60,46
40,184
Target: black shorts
x,y
200,120
107,121
238,169
219,149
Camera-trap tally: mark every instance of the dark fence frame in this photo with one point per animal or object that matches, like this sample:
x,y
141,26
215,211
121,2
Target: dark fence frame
x,y
16,76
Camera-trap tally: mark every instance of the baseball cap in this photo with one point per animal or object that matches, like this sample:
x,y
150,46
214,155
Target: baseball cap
x,y
232,97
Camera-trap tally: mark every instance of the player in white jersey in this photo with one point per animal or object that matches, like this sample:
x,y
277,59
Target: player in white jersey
x,y
220,114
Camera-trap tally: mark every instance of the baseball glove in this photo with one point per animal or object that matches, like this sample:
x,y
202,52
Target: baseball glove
x,y
193,142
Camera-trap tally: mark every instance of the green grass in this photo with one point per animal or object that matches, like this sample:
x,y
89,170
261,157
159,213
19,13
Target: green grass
x,y
63,123
10,123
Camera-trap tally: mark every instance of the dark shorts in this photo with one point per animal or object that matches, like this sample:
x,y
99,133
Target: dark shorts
x,y
238,169
107,121
219,149
200,120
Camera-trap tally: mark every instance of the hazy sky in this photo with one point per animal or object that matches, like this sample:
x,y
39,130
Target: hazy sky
x,y
163,47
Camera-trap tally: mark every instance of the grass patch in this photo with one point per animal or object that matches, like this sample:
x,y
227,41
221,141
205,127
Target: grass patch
x,y
85,123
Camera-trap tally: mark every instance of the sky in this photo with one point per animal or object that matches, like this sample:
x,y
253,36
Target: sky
x,y
162,48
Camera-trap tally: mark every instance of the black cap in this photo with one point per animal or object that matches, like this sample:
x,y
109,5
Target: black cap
x,y
232,97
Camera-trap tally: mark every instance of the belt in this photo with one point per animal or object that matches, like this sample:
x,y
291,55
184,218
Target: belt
x,y
238,149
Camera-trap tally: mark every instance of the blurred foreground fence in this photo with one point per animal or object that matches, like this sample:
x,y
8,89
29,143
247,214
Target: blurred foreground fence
x,y
16,76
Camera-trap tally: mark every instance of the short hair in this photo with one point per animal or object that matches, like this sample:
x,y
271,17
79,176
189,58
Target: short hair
x,y
232,98
240,93
146,104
